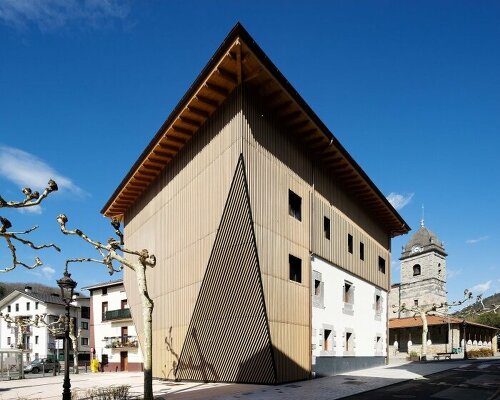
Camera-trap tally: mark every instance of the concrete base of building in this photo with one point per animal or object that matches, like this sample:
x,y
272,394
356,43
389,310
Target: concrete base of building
x,y
115,367
334,365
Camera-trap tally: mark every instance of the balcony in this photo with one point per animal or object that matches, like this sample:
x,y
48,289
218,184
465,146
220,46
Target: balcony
x,y
121,342
111,315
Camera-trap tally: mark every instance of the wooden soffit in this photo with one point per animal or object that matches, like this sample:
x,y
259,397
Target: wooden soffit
x,y
240,61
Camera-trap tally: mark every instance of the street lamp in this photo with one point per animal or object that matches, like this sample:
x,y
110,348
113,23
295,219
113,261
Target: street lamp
x,y
67,286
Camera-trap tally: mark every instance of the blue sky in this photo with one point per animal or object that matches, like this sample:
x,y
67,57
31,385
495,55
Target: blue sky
x,y
411,89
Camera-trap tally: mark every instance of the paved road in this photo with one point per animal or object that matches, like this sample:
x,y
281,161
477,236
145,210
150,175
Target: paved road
x,y
477,380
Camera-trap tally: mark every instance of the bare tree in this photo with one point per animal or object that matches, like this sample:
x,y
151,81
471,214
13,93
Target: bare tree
x,y
114,251
31,199
432,309
484,309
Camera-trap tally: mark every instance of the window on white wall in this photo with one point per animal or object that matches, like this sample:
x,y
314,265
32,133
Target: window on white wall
x,y
348,344
327,346
27,306
318,290
36,305
378,304
348,292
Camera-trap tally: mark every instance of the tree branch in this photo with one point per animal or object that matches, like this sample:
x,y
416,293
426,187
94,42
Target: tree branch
x,y
31,198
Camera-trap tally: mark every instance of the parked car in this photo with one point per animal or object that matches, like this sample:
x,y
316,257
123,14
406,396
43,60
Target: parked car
x,y
43,364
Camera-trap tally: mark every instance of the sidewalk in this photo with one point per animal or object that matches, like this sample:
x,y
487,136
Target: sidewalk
x,y
335,387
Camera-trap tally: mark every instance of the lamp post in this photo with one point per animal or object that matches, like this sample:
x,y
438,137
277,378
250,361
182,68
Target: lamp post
x,y
67,286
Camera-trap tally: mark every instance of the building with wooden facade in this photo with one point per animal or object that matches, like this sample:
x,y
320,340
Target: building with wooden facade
x,y
256,214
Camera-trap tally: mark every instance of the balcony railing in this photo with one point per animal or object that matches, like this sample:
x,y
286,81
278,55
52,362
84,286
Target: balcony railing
x,y
119,342
123,313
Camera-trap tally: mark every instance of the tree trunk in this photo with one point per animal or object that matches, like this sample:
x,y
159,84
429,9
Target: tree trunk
x,y
425,330
74,340
147,321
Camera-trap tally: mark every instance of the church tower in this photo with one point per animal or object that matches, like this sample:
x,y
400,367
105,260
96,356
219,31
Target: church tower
x,y
423,270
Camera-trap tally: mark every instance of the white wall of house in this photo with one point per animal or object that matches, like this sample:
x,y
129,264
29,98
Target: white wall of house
x,y
356,327
104,329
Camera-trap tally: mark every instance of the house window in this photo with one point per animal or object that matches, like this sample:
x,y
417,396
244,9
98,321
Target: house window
x,y
104,291
104,309
85,341
378,304
349,243
348,293
348,341
381,264
17,306
326,340
326,227
361,251
85,311
317,287
378,344
295,265
124,304
36,305
28,306
415,303
9,309
294,205
36,339
9,340
416,270
85,325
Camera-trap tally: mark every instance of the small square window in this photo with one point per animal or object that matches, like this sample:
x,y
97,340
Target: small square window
x,y
295,268
104,291
326,227
361,251
349,243
294,205
415,303
85,341
85,325
381,264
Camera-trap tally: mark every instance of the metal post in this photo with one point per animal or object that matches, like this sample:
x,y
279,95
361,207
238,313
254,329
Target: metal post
x,y
67,383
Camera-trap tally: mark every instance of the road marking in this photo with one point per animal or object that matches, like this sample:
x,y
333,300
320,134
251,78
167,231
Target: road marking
x,y
482,366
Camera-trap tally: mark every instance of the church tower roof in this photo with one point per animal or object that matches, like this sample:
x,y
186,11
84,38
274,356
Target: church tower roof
x,y
422,241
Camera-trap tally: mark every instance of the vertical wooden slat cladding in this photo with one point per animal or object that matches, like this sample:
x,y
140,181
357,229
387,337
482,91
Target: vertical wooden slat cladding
x,y
176,219
228,337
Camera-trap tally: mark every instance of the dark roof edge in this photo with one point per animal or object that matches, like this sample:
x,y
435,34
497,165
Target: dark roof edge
x,y
239,30
104,284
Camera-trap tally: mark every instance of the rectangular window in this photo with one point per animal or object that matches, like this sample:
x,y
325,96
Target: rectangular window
x,y
17,306
327,346
349,243
326,227
9,309
28,306
36,305
378,304
381,265
348,293
85,325
361,251
295,265
317,287
415,303
8,340
124,304
104,309
294,205
85,311
348,344
85,341
36,339
104,291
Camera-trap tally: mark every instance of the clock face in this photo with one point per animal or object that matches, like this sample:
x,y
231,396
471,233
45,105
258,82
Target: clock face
x,y
416,249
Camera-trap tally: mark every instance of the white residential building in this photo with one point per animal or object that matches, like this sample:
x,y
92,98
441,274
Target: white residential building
x,y
113,336
38,341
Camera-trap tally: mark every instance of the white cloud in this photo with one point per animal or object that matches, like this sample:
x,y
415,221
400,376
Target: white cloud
x,y
48,272
451,273
480,288
474,241
53,14
398,201
25,169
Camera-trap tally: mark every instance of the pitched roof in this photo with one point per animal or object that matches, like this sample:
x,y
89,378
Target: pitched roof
x,y
239,60
431,320
104,284
43,297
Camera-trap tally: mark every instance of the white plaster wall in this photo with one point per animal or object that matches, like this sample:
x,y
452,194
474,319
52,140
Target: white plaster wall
x,y
364,322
